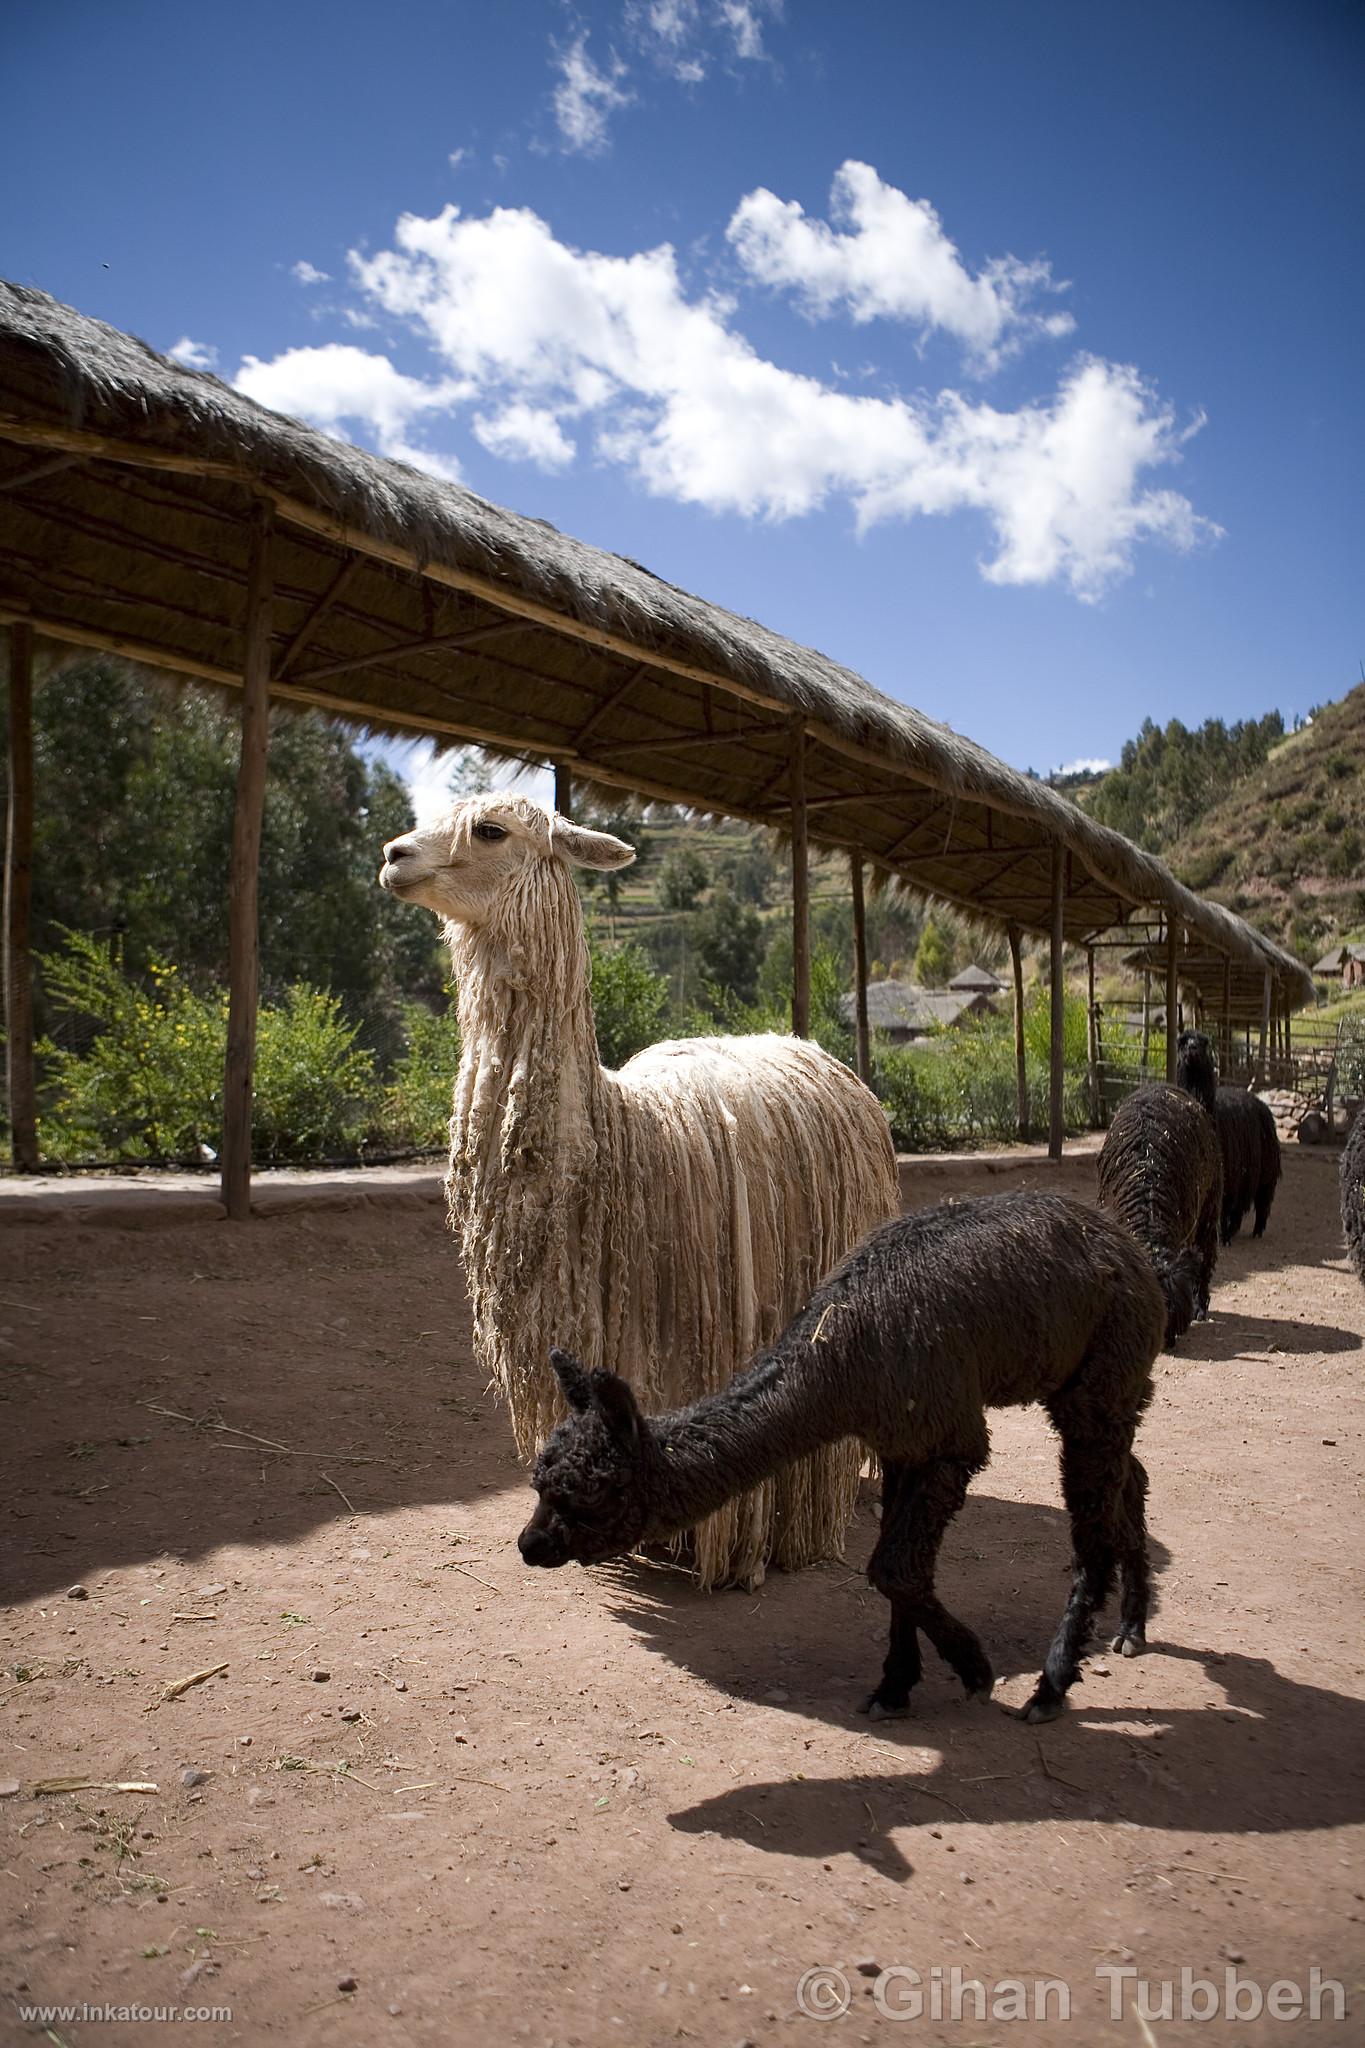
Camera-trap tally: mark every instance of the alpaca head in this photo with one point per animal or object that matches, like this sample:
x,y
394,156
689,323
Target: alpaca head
x,y
1196,1069
490,852
593,1474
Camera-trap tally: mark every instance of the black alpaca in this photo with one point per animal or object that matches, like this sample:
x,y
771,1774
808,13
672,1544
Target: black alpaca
x,y
1248,1143
1353,1193
1160,1171
932,1320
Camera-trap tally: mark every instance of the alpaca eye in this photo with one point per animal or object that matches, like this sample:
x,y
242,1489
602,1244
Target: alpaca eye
x,y
490,834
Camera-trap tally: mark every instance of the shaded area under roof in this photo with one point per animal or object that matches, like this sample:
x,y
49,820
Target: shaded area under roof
x,y
413,604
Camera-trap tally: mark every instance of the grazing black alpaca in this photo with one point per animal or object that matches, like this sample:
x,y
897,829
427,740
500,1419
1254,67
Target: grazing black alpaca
x,y
1353,1193
1161,1172
1248,1143
932,1320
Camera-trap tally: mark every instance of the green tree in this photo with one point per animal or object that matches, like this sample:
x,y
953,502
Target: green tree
x,y
684,878
730,941
933,957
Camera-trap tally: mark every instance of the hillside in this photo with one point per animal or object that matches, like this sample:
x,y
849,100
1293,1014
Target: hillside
x,y
1286,847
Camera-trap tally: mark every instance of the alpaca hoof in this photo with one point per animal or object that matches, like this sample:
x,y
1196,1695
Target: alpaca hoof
x,y
980,1695
878,1710
1039,1710
1129,1645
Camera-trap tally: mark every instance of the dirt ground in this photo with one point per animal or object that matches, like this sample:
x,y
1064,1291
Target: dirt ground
x,y
430,1796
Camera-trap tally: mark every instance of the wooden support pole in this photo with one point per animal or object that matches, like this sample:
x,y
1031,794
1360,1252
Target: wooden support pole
x,y
1288,1048
1092,1038
863,1045
1020,1065
1057,1063
563,789
1172,997
244,938
1265,1027
18,976
1146,1021
1225,1029
800,885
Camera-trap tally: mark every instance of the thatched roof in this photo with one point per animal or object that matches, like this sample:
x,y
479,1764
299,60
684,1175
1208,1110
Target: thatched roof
x,y
903,1006
976,978
125,484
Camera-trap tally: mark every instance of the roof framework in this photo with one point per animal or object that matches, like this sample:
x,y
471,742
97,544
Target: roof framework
x,y
130,492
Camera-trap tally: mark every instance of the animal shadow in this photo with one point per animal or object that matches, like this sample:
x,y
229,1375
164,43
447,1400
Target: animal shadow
x,y
1255,1750
1228,1335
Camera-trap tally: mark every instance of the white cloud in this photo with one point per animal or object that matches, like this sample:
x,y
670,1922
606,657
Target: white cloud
x,y
743,19
195,355
679,36
544,333
456,158
1085,766
308,273
338,384
525,433
585,97
892,260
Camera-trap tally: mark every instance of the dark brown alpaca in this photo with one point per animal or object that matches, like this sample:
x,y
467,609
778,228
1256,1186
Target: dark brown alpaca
x,y
1353,1194
1248,1143
1161,1173
932,1320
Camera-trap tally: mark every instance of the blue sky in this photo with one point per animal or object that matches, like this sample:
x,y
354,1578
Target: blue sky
x,y
1009,353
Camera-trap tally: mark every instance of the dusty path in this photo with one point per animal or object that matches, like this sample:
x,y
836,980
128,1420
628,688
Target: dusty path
x,y
587,1808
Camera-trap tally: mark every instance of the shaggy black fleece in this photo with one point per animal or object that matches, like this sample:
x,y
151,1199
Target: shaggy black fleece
x,y
1353,1193
1160,1171
1196,1069
1250,1146
932,1320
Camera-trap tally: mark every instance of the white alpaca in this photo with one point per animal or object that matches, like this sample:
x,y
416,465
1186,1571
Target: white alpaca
x,y
672,1217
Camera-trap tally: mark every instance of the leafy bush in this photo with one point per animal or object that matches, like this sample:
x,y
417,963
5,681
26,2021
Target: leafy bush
x,y
148,1082
959,1086
314,1084
414,1112
629,1000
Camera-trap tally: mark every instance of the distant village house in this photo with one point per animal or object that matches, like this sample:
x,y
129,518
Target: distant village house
x,y
1345,964
902,1011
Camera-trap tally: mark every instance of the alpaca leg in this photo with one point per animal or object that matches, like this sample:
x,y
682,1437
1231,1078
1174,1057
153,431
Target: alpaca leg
x,y
916,1510
1265,1195
1206,1244
1095,1463
1131,1639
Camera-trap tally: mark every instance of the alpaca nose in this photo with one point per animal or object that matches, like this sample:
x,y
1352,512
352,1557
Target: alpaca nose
x,y
537,1546
398,849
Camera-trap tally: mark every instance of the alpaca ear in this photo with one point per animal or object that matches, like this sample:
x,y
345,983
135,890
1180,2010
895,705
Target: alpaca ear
x,y
588,849
617,1405
573,1379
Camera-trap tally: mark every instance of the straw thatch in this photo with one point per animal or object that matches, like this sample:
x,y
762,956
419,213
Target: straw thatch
x,y
125,485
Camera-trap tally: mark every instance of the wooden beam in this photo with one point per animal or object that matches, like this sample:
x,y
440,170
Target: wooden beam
x,y
800,884
1092,1038
1146,1022
1020,1065
1225,1024
675,742
1265,1026
862,1038
345,575
244,939
36,471
18,977
444,643
1172,995
1056,1124
563,789
609,704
